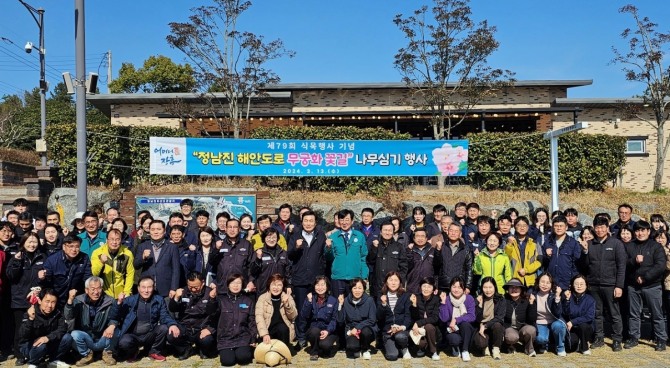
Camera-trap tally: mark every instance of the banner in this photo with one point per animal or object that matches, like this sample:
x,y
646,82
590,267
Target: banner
x,y
162,206
265,157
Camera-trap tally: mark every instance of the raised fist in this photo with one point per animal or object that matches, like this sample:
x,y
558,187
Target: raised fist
x,y
290,228
480,300
31,313
340,299
18,255
443,297
120,298
329,243
146,254
219,244
103,258
375,243
41,274
412,227
567,294
212,292
384,299
410,246
558,291
309,297
284,298
438,245
178,293
298,243
191,248
412,299
259,253
72,294
531,299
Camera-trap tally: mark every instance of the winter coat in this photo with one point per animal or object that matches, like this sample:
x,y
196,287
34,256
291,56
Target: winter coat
x,y
77,315
579,309
605,262
231,258
349,259
63,275
455,265
196,311
52,326
525,313
165,271
562,264
496,265
499,311
22,275
360,315
308,260
531,260
447,309
426,311
323,317
384,258
265,309
400,315
237,323
159,312
652,268
194,261
420,266
666,280
257,242
88,244
118,273
262,269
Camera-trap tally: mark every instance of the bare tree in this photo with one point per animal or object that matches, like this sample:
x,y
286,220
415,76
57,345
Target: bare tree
x,y
226,59
644,62
12,130
445,62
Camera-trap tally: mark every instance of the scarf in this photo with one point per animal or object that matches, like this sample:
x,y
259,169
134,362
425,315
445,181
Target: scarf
x,y
459,306
488,313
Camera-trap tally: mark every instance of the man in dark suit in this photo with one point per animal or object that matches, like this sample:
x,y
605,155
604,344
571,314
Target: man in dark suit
x,y
158,258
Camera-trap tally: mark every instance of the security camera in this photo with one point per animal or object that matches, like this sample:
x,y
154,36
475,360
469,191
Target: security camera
x,y
29,47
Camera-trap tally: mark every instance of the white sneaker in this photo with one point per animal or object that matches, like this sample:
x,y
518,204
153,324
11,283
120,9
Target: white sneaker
x,y
366,355
562,354
496,353
532,353
406,354
465,356
436,356
32,366
587,352
487,352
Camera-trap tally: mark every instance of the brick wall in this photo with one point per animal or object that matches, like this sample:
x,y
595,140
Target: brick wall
x,y
13,173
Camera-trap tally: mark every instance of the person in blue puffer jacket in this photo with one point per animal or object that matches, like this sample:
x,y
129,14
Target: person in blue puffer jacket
x,y
318,318
579,313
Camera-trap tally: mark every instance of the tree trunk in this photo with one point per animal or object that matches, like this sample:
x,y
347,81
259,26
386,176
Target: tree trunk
x,y
660,157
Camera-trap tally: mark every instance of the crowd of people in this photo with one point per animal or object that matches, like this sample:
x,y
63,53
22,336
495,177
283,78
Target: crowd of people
x,y
454,282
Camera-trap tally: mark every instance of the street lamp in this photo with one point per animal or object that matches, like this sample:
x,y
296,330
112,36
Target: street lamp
x,y
38,15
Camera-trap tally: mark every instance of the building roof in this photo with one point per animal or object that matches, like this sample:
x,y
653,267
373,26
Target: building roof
x,y
595,102
401,85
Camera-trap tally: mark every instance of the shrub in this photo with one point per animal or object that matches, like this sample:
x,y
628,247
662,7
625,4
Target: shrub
x,y
517,161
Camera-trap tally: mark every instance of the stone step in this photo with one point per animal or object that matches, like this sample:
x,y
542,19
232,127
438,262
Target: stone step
x,y
17,191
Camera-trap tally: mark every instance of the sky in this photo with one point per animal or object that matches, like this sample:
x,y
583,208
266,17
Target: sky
x,y
342,41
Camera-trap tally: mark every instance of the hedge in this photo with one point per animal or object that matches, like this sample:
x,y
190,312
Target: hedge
x,y
586,161
111,154
374,185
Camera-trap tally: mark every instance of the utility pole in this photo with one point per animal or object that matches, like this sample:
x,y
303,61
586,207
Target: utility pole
x,y
109,70
553,136
38,15
80,55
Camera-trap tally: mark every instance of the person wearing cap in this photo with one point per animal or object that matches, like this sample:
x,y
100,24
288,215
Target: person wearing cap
x,y
491,309
457,312
520,315
77,223
425,312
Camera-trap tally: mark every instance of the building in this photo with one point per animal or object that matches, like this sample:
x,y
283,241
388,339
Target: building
x,y
530,106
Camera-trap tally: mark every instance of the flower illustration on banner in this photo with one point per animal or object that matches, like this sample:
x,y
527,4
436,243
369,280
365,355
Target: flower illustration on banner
x,y
450,160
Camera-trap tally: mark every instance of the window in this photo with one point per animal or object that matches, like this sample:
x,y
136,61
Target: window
x,y
636,146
